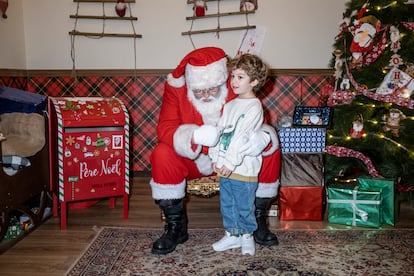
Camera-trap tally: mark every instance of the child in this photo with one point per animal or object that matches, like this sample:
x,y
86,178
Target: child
x,y
239,174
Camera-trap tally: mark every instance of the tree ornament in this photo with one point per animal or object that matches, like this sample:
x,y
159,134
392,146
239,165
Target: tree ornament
x,y
392,121
4,4
363,32
248,5
394,35
357,129
410,69
395,60
120,8
345,83
338,63
200,7
394,82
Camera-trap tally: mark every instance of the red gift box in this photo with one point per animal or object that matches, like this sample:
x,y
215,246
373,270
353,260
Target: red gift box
x,y
301,203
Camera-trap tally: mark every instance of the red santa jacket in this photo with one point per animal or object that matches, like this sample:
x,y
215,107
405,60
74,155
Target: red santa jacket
x,y
177,111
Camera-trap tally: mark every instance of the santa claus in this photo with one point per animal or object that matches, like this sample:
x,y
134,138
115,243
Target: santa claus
x,y
192,103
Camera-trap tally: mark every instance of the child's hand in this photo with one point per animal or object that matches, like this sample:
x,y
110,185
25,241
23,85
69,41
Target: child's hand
x,y
214,167
224,171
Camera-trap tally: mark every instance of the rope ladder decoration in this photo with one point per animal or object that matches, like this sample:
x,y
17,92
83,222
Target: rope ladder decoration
x,y
98,35
218,29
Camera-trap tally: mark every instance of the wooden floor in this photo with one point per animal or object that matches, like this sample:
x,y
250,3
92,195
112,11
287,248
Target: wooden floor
x,y
49,251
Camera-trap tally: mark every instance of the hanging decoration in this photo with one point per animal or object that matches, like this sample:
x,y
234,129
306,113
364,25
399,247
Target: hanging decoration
x,y
376,51
4,4
357,129
395,82
199,11
248,5
200,7
251,42
120,8
392,121
338,64
364,30
410,69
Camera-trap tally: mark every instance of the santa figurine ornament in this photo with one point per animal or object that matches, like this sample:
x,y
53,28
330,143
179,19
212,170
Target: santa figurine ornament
x,y
200,7
4,4
365,29
357,130
120,8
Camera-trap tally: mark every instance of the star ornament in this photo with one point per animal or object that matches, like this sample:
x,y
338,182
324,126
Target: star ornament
x,y
70,140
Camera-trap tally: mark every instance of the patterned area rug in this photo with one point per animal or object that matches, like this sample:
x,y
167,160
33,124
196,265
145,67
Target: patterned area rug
x,y
127,251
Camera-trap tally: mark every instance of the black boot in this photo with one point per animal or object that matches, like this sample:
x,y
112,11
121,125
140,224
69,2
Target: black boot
x,y
175,230
262,235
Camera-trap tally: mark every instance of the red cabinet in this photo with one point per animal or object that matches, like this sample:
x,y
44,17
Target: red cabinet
x,y
89,152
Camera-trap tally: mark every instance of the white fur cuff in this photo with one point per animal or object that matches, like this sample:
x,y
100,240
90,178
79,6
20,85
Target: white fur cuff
x,y
167,191
204,164
182,142
274,139
267,190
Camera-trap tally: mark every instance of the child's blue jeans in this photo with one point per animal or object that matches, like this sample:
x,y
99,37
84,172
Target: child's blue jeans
x,y
237,205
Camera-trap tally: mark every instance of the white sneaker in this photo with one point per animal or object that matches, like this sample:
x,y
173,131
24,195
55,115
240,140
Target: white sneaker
x,y
227,242
247,244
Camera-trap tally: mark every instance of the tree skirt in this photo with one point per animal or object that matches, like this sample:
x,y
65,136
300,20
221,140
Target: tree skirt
x,y
127,251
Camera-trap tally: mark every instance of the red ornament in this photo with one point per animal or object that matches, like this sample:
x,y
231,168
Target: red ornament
x,y
357,130
120,8
200,7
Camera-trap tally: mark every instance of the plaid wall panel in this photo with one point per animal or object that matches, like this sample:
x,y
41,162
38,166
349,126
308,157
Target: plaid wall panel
x,y
143,95
14,82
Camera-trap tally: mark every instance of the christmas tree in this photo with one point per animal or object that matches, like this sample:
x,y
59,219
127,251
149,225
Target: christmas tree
x,y
372,130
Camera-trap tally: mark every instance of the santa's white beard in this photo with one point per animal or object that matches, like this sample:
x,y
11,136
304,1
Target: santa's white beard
x,y
209,110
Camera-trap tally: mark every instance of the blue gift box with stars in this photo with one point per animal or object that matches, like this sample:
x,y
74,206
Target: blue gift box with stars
x,y
302,139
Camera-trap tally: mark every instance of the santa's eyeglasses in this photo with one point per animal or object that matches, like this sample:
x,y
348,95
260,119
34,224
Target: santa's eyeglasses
x,y
209,91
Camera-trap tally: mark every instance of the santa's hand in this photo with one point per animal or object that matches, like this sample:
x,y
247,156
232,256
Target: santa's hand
x,y
206,135
257,142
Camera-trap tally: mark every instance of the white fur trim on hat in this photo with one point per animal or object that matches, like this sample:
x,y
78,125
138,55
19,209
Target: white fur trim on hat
x,y
175,82
208,76
208,64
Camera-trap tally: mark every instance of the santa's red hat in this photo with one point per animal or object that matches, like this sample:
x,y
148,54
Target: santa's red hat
x,y
202,68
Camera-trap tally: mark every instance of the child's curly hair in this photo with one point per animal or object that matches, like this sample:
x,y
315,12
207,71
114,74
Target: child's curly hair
x,y
254,67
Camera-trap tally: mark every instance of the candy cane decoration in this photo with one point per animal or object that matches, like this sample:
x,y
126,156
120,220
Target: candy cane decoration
x,y
60,150
126,130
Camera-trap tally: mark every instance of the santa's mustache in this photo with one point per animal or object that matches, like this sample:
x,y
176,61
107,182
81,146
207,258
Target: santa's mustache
x,y
209,99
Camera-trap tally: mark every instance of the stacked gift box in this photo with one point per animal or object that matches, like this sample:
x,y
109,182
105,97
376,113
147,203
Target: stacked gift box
x,y
301,194
368,202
